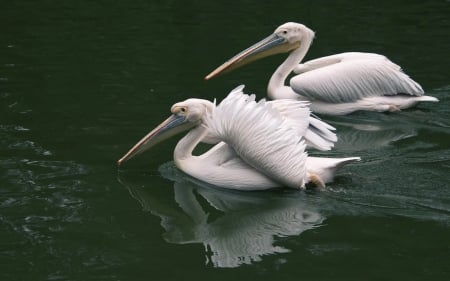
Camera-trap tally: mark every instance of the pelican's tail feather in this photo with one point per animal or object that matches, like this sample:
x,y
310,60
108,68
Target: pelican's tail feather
x,y
427,98
320,135
297,114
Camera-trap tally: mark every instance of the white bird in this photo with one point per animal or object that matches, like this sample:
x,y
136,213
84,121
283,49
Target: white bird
x,y
265,149
335,85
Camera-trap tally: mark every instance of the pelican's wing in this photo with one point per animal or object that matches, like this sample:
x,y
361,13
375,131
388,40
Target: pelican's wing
x,y
316,133
296,113
261,137
342,57
344,79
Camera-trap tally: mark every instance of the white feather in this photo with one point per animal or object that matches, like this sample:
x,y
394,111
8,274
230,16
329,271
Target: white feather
x,y
349,81
261,137
316,133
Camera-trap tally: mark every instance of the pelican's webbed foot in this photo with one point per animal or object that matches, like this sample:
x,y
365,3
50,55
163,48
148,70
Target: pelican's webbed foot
x,y
316,181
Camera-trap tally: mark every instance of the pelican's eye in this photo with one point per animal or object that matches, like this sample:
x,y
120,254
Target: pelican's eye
x,y
179,110
182,111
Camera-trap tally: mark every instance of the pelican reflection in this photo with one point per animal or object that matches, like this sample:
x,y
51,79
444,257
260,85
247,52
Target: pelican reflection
x,y
367,134
235,227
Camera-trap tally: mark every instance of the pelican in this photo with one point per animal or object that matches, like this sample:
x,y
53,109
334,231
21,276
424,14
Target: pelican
x,y
335,85
265,149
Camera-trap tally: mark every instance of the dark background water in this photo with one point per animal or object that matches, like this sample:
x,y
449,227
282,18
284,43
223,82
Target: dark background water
x,y
82,81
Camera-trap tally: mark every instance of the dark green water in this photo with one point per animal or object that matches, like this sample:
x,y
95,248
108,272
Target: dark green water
x,y
82,81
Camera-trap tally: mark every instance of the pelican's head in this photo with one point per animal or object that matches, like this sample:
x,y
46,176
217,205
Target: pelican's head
x,y
185,115
286,38
293,34
193,110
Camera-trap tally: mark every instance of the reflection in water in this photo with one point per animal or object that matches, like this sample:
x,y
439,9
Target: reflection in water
x,y
374,131
235,227
368,136
358,134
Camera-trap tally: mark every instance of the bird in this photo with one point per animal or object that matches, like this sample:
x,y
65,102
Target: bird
x,y
335,85
259,148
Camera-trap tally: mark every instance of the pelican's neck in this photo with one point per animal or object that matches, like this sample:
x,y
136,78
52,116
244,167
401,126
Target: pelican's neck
x,y
187,144
276,88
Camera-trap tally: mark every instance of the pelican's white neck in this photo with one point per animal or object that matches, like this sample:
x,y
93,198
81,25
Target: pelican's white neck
x,y
187,144
276,88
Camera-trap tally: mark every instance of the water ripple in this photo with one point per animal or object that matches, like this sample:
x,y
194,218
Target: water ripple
x,y
39,196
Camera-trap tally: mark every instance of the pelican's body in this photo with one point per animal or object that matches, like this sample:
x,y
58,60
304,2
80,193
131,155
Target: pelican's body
x,y
260,147
335,85
219,166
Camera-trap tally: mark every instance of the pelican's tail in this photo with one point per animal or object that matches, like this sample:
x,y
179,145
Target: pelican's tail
x,y
427,98
403,102
326,168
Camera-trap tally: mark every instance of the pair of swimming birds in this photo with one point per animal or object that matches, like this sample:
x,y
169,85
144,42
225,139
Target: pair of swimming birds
x,y
261,145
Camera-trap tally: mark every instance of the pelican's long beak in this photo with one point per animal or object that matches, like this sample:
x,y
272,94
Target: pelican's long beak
x,y
273,44
171,126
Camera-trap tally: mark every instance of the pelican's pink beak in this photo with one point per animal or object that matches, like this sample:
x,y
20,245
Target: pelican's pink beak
x,y
171,126
271,45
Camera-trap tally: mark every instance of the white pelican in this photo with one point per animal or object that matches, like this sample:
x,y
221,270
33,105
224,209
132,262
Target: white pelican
x,y
335,85
265,149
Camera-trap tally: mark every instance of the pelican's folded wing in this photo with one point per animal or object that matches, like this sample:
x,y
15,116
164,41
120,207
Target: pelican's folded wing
x,y
349,79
